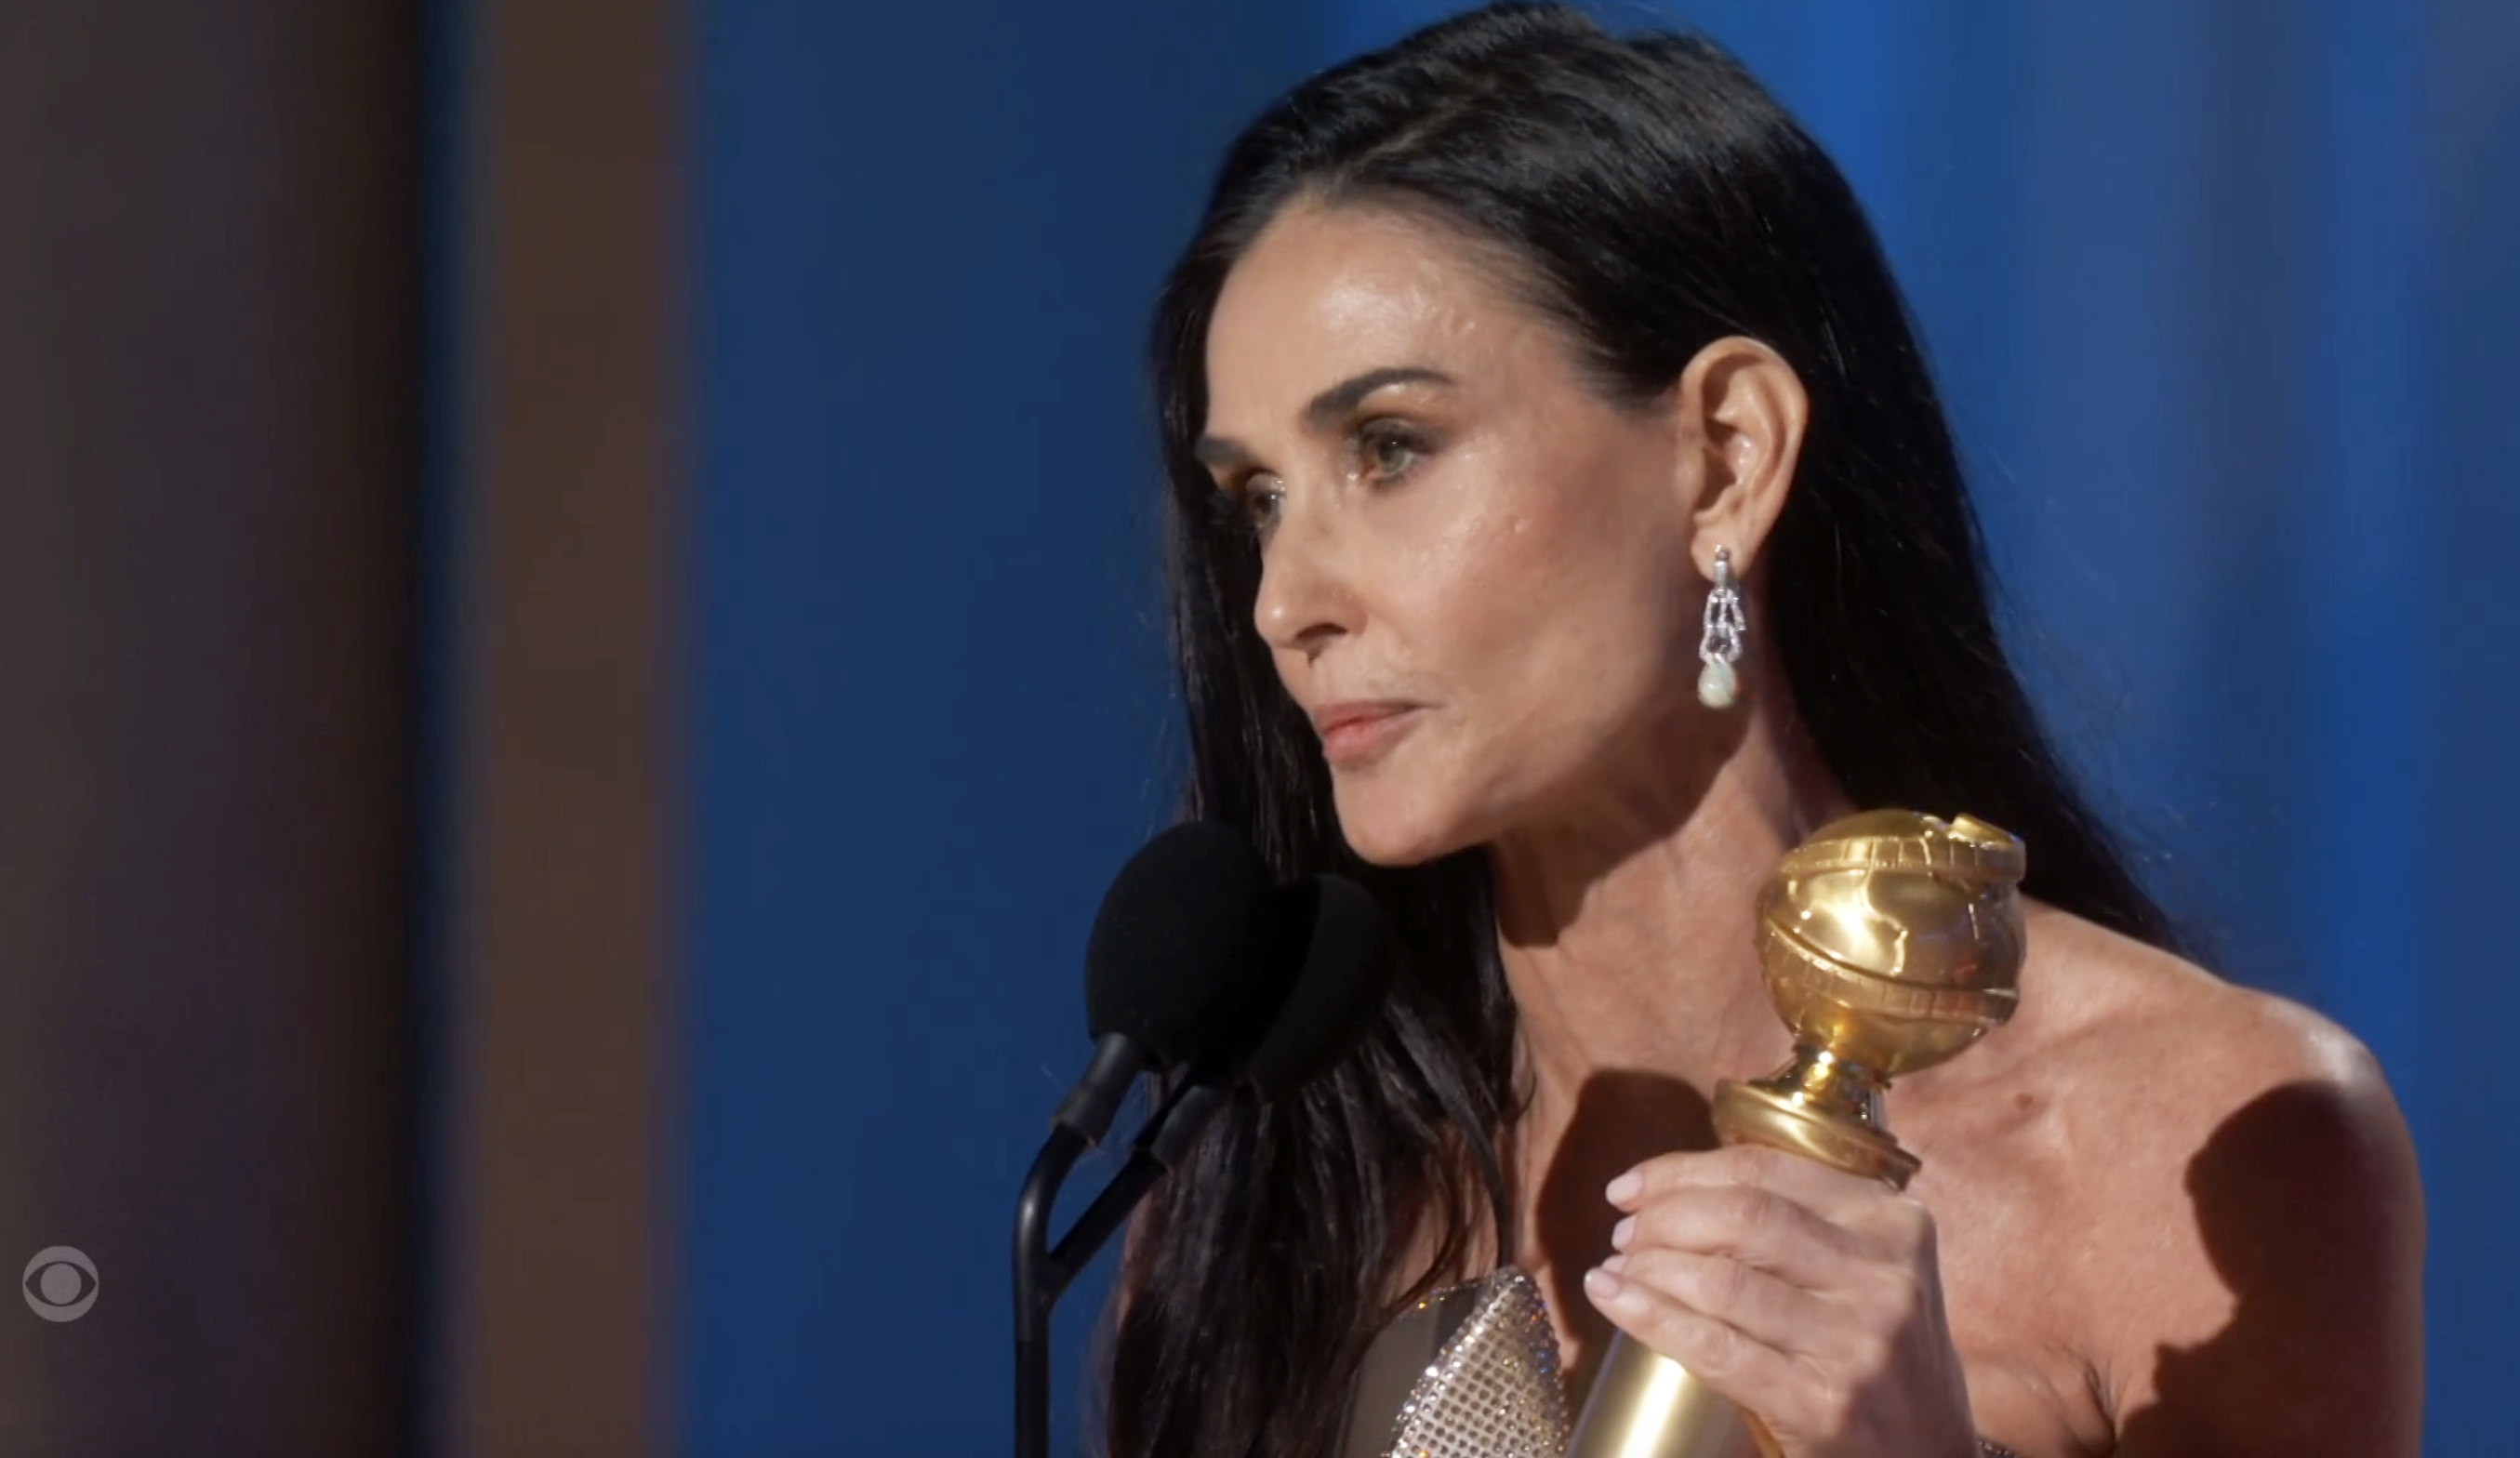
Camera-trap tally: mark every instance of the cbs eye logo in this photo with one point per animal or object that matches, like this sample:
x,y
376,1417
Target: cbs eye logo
x,y
60,1283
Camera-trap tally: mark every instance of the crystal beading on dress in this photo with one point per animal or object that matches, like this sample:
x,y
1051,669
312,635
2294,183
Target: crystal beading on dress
x,y
1494,1390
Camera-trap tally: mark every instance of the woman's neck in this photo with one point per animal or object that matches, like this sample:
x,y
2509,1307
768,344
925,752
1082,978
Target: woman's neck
x,y
1626,931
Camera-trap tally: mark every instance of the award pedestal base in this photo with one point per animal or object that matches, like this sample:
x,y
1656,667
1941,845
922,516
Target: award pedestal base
x,y
1786,1112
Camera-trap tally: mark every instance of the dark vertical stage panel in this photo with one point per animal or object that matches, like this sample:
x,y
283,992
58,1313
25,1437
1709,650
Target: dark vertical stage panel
x,y
556,1201
207,479
552,1207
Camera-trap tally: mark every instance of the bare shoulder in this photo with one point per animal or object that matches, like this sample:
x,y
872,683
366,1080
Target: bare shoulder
x,y
2250,1218
2146,1034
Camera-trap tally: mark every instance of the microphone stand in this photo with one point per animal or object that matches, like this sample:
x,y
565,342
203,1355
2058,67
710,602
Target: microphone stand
x,y
1043,1273
1035,1293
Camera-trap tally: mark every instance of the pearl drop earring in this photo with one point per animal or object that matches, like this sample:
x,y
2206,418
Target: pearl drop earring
x,y
1721,647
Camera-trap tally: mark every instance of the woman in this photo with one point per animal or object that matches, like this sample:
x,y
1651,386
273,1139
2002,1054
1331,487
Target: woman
x,y
1496,354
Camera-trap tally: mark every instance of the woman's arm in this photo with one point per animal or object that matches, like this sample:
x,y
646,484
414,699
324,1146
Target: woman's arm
x,y
2295,1323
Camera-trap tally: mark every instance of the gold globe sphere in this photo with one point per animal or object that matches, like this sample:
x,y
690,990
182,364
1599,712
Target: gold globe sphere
x,y
1894,939
1890,942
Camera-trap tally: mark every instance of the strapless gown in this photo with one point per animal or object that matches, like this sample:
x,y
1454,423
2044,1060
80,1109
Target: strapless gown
x,y
1469,1372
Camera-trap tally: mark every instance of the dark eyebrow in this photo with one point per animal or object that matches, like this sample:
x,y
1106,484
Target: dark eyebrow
x,y
1326,408
1341,398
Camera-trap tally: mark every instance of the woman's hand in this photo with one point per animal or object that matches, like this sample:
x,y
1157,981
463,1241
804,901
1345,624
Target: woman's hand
x,y
1807,1295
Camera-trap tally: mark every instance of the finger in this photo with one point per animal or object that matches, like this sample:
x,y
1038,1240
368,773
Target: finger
x,y
1753,1226
1889,1224
1748,1372
1773,1312
1831,1194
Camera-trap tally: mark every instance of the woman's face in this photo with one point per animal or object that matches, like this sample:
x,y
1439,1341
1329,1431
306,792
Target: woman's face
x,y
1460,538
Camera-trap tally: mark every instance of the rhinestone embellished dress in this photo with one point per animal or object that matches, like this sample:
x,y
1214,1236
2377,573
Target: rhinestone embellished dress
x,y
1469,1372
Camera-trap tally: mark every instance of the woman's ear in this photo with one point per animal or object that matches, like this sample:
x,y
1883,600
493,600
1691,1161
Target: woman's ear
x,y
1742,415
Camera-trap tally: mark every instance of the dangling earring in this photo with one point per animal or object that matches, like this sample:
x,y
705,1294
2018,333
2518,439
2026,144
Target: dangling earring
x,y
1721,647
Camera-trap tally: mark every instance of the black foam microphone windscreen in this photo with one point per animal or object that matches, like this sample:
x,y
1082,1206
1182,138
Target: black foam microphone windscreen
x,y
1345,974
1326,974
1181,937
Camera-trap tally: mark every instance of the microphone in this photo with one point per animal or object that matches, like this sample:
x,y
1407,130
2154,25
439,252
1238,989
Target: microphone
x,y
1312,984
1340,979
1344,978
1179,945
1319,1015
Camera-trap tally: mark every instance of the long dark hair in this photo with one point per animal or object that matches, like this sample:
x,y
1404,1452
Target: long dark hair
x,y
1656,199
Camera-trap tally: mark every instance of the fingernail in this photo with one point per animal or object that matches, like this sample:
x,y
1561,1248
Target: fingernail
x,y
1625,1187
1616,1265
1620,1232
1604,1287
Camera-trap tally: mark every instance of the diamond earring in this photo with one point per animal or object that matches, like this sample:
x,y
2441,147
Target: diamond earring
x,y
1721,647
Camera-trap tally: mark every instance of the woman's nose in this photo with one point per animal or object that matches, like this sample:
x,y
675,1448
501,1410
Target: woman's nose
x,y
1306,594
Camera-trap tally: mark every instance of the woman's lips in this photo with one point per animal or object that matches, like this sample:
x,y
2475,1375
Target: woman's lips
x,y
1358,738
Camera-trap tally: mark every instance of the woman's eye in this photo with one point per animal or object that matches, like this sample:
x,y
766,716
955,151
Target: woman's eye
x,y
1250,507
1390,452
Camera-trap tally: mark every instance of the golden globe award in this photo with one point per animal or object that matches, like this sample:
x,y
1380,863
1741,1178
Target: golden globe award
x,y
1890,942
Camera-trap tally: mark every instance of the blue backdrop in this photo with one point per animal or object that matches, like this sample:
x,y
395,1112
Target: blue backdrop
x,y
2220,293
